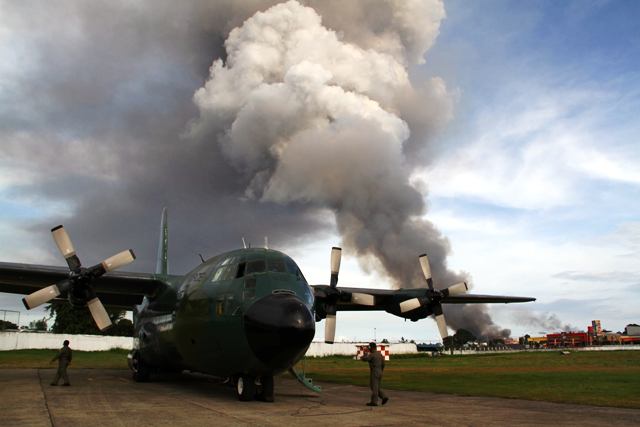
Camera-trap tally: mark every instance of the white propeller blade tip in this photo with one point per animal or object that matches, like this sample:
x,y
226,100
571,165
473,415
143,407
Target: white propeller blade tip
x,y
63,241
363,299
330,328
119,260
458,288
442,326
99,314
40,297
336,255
410,304
426,267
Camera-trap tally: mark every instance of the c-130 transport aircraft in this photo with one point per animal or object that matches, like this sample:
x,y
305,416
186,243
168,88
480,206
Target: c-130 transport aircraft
x,y
247,314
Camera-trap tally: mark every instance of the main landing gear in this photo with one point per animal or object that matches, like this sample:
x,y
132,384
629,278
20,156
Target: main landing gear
x,y
249,388
141,372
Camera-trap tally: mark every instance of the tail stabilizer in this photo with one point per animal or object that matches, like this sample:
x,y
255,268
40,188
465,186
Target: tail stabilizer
x,y
162,261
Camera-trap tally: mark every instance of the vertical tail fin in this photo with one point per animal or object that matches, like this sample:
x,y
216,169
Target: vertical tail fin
x,y
162,260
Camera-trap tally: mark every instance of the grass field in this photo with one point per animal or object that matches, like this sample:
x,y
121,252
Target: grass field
x,y
113,359
607,378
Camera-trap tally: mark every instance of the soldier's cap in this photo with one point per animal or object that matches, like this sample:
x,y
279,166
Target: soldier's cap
x,y
66,342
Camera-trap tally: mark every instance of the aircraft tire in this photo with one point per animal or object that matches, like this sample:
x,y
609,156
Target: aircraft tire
x,y
266,392
141,372
245,387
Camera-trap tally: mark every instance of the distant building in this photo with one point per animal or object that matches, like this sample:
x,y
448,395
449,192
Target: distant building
x,y
537,342
632,330
569,339
597,327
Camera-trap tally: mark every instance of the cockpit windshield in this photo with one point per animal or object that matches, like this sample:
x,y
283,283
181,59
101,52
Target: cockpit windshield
x,y
276,265
255,266
241,265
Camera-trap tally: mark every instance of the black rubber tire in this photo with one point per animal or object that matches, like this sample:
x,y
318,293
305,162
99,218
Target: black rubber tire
x,y
266,391
141,372
245,388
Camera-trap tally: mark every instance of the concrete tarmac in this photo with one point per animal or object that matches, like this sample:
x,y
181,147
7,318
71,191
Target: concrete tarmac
x,y
110,398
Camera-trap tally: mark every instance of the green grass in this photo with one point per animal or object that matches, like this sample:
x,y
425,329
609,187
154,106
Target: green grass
x,y
112,359
610,378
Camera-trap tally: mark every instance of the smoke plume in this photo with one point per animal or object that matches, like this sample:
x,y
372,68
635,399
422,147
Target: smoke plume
x,y
547,322
307,108
312,116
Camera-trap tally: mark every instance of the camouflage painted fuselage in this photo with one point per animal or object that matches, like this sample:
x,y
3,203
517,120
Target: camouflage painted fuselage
x,y
249,311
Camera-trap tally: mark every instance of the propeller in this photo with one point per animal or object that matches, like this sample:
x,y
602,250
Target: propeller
x,y
331,307
433,297
78,285
334,294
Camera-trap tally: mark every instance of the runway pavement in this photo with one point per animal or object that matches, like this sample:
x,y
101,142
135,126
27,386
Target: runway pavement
x,y
109,398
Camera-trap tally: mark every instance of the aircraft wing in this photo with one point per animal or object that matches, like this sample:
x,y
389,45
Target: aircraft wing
x,y
345,300
412,304
116,289
385,299
481,299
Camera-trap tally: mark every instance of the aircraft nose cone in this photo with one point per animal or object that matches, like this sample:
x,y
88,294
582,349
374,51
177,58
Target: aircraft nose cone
x,y
279,328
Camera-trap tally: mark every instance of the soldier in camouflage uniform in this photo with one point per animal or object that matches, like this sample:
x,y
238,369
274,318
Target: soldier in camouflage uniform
x,y
64,358
376,367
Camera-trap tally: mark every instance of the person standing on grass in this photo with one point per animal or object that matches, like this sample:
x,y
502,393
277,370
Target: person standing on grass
x,y
64,358
376,368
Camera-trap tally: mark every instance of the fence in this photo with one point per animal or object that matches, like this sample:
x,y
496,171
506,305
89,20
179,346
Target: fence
x,y
27,340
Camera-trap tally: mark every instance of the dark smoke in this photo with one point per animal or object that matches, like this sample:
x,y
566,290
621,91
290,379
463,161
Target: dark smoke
x,y
303,110
547,322
309,117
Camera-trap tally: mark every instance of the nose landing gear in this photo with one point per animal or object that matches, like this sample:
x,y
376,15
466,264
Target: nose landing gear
x,y
249,388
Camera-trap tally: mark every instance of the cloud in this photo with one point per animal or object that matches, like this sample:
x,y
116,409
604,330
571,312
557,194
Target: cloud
x,y
545,147
600,277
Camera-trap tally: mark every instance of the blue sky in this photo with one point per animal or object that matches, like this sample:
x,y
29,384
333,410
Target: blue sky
x,y
544,171
536,184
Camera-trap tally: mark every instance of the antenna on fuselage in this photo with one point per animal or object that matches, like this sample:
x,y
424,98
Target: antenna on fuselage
x,y
266,242
244,244
202,258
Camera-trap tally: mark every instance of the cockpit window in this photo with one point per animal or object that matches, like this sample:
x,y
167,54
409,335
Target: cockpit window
x,y
293,268
234,259
255,266
276,265
241,268
224,273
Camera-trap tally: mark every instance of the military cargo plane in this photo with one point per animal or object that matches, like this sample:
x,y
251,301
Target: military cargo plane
x,y
245,315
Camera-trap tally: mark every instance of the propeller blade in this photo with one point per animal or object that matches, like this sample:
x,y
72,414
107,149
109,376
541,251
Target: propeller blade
x,y
40,297
330,328
426,269
336,255
442,326
63,241
99,314
457,289
363,299
118,260
410,304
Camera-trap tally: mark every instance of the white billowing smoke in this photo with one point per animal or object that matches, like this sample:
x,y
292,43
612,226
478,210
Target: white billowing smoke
x,y
326,117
